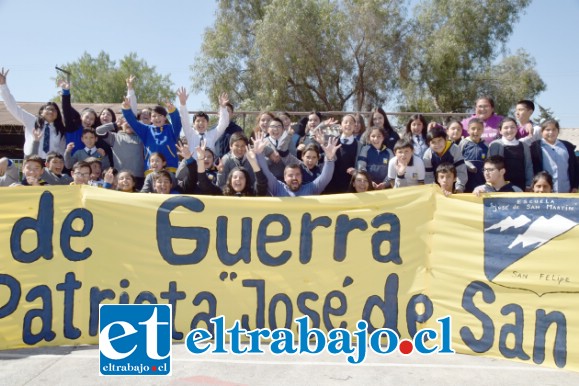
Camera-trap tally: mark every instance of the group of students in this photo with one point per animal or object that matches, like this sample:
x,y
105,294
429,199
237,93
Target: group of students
x,y
281,158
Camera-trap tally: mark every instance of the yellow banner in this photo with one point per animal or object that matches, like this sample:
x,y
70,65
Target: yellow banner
x,y
502,268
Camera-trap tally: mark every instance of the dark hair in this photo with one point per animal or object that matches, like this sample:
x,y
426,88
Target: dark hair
x,y
238,136
543,175
505,120
403,143
550,122
527,103
141,111
387,125
160,110
88,130
445,167
110,111
34,158
80,164
130,175
475,120
93,160
277,120
58,122
312,146
381,130
247,189
419,117
357,172
488,98
435,132
201,114
52,155
496,160
91,111
230,105
360,120
162,173
316,113
160,155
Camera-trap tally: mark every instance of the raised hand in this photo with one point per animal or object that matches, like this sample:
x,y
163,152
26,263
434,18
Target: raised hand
x,y
69,147
183,151
223,99
102,152
259,143
63,84
109,177
331,148
130,81
126,105
3,75
37,134
182,95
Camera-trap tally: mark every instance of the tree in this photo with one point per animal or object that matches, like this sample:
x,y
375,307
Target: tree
x,y
455,46
303,54
100,80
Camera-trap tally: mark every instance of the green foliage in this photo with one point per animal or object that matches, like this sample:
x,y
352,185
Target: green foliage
x,y
545,113
100,80
358,54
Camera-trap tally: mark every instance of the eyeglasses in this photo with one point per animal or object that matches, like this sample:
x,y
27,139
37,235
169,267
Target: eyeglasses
x,y
489,170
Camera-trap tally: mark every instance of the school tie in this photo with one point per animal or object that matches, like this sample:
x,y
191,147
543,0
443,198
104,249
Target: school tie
x,y
276,142
418,139
46,142
201,138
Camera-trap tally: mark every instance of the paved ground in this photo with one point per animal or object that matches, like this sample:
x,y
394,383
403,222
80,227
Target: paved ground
x,y
79,366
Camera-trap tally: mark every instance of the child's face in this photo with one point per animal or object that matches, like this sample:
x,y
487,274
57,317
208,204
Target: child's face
x,y
358,127
163,185
361,183
156,163
550,133
96,171
88,119
523,114
55,165
209,160
348,125
238,181
106,117
200,124
286,121
89,140
404,155
509,130
313,121
376,139
238,148
542,186
310,159
492,174
33,170
454,131
145,117
438,144
125,182
81,176
416,127
378,119
475,132
49,113
446,180
275,129
264,122
158,119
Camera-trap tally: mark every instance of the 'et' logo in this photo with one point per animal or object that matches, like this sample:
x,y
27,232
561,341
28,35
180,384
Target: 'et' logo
x,y
531,243
135,339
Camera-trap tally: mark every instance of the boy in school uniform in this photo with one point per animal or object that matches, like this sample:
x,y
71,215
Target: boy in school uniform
x,y
236,157
494,172
406,168
445,175
440,150
89,139
52,173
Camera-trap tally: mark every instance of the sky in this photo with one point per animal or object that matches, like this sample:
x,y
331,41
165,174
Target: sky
x,y
38,35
